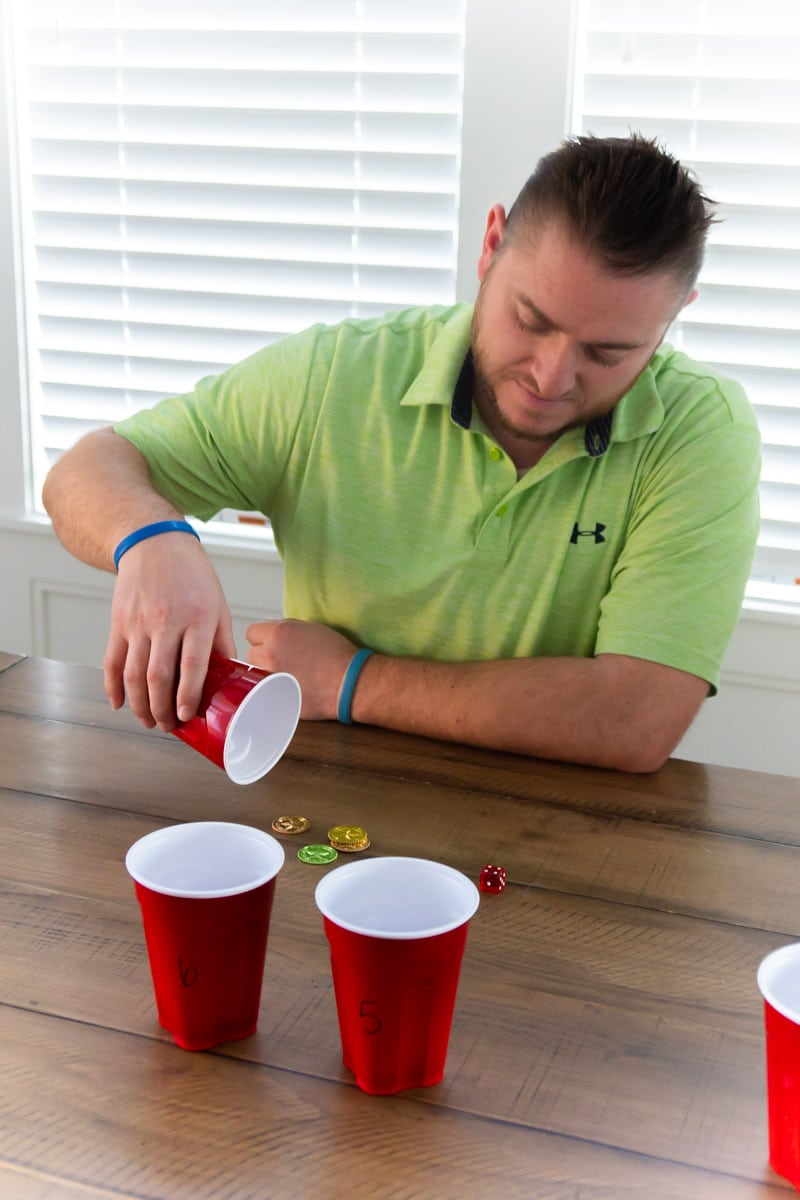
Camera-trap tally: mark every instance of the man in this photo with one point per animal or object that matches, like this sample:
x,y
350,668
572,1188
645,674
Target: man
x,y
537,516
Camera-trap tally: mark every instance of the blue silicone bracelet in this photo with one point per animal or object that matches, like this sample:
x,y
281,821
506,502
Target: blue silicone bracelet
x,y
349,685
148,531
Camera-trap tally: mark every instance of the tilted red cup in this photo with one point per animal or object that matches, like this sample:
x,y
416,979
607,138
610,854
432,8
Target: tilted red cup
x,y
246,718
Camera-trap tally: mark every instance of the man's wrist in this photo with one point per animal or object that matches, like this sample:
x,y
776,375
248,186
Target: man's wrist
x,y
348,686
152,529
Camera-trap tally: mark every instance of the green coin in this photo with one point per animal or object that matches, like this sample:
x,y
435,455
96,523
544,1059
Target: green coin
x,y
317,854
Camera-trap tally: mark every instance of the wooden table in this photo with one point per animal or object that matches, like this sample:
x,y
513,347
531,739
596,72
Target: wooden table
x,y
607,1040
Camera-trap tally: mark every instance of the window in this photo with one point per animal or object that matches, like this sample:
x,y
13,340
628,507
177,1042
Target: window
x,y
718,82
198,179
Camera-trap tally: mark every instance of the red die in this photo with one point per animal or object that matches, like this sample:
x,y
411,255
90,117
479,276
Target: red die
x,y
492,879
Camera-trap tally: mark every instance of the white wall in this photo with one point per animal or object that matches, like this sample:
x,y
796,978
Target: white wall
x,y
516,98
517,68
754,721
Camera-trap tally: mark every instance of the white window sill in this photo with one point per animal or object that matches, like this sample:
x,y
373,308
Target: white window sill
x,y
770,599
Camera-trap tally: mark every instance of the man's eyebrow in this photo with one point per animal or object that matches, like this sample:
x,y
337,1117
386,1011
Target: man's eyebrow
x,y
547,323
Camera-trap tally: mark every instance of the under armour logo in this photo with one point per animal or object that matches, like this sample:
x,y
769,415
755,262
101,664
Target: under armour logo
x,y
596,533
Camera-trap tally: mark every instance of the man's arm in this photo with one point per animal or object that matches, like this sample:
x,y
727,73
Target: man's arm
x,y
168,610
98,492
610,711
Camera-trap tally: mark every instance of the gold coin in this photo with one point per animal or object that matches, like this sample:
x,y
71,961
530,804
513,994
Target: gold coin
x,y
351,847
344,836
290,824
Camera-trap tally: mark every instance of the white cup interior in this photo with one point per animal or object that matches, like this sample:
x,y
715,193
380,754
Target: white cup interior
x,y
779,980
261,728
204,859
397,897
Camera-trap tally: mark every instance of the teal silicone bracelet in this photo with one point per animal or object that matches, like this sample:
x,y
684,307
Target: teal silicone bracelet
x,y
349,685
148,531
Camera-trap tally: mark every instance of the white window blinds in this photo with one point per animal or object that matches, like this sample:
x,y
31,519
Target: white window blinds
x,y
198,179
718,82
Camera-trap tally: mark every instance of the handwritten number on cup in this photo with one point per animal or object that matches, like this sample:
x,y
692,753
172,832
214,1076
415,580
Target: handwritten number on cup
x,y
372,1023
189,975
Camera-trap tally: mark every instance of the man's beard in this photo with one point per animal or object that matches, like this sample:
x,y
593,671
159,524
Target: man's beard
x,y
484,397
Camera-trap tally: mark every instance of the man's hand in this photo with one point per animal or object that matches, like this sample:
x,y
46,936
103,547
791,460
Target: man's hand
x,y
316,655
168,613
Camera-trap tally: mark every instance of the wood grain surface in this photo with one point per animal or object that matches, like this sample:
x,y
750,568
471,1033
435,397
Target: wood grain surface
x,y
607,1041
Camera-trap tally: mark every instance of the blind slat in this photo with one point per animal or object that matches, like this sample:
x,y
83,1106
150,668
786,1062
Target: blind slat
x,y
199,309
772,101
729,17
186,50
290,167
317,206
256,90
413,15
425,249
732,306
417,133
722,55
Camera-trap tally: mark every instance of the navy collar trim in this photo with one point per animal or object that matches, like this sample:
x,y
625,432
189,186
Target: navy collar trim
x,y
461,405
597,435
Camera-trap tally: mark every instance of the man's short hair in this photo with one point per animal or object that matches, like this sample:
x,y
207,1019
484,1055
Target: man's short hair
x,y
624,199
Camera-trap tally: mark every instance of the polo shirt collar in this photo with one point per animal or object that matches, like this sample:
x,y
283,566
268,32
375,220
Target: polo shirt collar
x,y
444,359
641,411
597,434
638,413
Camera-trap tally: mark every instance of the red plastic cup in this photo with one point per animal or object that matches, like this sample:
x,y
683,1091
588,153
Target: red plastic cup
x,y
779,984
205,891
245,720
397,929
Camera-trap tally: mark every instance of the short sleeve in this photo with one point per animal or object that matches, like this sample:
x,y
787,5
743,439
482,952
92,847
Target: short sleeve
x,y
677,587
226,443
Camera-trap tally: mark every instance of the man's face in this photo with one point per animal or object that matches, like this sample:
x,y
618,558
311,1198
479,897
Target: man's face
x,y
557,337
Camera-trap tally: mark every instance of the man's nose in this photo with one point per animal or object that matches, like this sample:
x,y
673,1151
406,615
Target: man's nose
x,y
553,366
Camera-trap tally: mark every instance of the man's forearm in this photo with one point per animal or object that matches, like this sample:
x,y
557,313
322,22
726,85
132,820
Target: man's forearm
x,y
98,492
610,711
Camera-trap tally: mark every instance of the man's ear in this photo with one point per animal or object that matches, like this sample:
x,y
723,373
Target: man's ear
x,y
493,236
690,299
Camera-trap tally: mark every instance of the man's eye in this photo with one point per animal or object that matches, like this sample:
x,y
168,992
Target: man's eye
x,y
527,326
602,360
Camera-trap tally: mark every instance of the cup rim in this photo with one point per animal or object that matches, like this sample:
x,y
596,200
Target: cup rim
x,y
367,865
765,977
170,832
278,750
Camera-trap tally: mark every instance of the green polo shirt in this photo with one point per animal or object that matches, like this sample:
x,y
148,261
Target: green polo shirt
x,y
403,524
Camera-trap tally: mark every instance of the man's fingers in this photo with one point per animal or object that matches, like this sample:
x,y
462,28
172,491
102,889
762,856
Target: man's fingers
x,y
162,676
113,667
259,631
192,673
136,683
223,639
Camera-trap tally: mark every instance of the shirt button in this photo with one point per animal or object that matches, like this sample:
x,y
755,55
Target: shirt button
x,y
496,453
502,510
